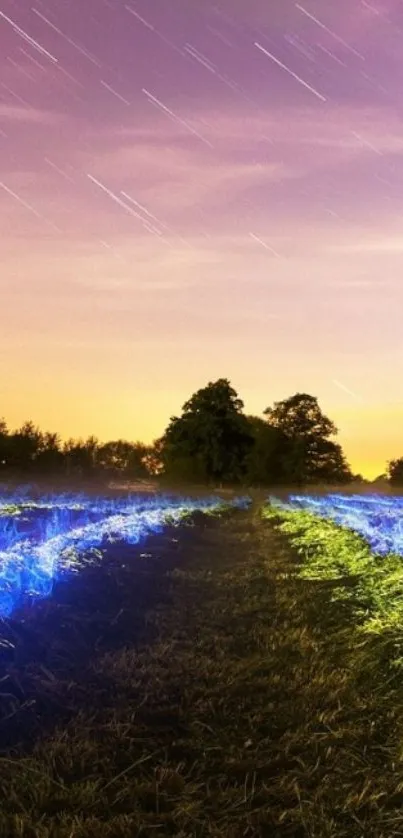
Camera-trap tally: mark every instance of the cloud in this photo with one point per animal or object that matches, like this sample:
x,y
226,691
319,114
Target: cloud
x,y
292,143
177,179
19,113
252,167
370,246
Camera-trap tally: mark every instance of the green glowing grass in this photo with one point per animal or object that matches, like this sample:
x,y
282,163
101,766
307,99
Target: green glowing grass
x,y
374,584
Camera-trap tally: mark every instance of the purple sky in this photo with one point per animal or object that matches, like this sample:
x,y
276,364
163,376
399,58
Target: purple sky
x,y
194,190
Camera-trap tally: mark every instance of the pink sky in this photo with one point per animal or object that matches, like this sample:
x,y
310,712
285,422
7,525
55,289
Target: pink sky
x,y
178,204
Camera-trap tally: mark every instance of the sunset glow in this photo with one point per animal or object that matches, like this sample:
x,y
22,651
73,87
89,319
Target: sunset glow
x,y
194,191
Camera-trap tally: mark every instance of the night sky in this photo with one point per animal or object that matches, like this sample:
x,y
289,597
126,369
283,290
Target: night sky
x,y
193,190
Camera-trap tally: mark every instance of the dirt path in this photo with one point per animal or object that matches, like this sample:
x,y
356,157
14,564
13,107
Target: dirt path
x,y
244,708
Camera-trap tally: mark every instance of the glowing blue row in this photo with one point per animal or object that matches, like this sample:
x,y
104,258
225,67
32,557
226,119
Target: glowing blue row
x,y
42,519
378,519
30,565
17,502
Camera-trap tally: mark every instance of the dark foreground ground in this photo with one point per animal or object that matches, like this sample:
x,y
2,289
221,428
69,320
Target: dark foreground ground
x,y
196,687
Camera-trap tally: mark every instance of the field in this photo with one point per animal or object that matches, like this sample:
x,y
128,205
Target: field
x,y
193,667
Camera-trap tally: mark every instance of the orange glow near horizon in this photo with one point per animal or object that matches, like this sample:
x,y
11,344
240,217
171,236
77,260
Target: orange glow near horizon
x,y
143,415
176,207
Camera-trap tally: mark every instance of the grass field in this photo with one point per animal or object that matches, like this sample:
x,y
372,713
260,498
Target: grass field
x,y
200,685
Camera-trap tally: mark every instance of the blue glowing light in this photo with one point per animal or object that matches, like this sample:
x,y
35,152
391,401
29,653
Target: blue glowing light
x,y
42,539
379,519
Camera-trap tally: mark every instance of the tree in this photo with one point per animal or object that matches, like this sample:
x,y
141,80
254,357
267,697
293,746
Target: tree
x,y
264,460
395,472
123,458
329,464
24,447
153,458
381,478
300,416
80,456
309,456
212,438
50,457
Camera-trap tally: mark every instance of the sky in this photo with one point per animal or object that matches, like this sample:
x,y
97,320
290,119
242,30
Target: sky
x,y
195,190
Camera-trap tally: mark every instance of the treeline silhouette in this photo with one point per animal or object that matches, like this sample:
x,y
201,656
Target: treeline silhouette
x,y
212,442
29,451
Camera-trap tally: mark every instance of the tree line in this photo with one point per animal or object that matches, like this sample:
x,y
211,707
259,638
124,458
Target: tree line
x,y
212,442
30,451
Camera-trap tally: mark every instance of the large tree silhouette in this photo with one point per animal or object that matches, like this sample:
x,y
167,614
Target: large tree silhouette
x,y
211,439
265,459
310,456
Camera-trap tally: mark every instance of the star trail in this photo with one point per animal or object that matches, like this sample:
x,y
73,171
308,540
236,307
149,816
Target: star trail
x,y
191,190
